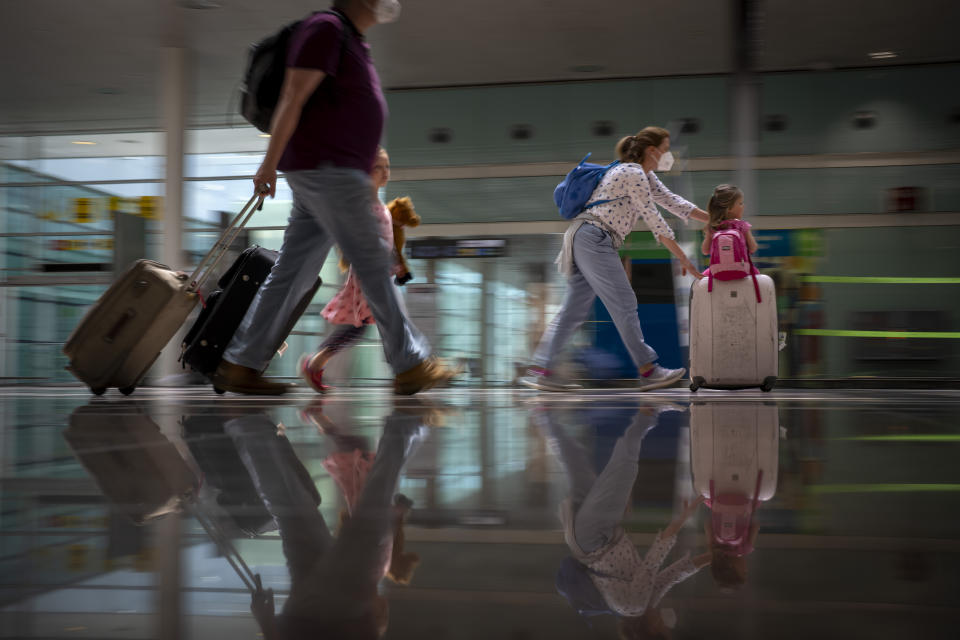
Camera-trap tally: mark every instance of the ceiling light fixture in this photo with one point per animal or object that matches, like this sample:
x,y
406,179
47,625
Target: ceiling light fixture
x,y
264,135
83,142
882,55
200,4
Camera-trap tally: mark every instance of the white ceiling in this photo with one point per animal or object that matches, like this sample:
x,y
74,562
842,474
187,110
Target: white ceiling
x,y
95,64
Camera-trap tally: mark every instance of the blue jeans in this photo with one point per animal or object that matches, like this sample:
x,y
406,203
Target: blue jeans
x,y
597,271
330,205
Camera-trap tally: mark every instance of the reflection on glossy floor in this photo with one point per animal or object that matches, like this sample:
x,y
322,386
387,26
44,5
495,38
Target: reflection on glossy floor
x,y
830,513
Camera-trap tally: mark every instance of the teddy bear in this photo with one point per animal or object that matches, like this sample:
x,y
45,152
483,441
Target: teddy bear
x,y
402,563
403,214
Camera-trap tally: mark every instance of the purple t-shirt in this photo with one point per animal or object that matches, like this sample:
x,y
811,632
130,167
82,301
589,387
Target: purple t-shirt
x,y
343,120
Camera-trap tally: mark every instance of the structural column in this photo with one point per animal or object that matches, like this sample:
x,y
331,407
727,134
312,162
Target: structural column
x,y
167,537
167,531
173,98
174,104
745,98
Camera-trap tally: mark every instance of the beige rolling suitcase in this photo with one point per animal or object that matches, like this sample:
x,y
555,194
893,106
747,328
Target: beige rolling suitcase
x,y
733,337
122,334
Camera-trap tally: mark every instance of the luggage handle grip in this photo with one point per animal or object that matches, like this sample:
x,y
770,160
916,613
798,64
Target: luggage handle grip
x,y
220,248
127,316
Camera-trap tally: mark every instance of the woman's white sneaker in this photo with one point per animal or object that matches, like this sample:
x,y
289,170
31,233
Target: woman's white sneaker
x,y
544,380
660,377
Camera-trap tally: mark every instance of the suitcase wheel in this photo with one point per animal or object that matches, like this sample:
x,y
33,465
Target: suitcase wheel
x,y
696,383
128,390
768,383
219,391
98,391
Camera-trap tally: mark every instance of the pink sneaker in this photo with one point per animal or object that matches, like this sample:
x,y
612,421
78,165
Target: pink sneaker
x,y
313,377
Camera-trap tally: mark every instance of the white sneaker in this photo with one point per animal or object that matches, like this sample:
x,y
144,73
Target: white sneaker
x,y
544,380
665,407
660,377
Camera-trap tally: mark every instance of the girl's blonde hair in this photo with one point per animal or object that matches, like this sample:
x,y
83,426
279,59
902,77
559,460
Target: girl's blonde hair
x,y
724,197
631,148
729,571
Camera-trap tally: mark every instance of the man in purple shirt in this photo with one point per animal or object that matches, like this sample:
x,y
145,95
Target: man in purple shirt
x,y
324,137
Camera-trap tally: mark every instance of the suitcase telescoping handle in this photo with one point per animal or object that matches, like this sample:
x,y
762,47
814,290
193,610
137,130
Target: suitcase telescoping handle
x,y
249,578
213,257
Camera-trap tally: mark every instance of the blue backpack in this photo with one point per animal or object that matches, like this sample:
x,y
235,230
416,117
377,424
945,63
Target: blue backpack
x,y
572,195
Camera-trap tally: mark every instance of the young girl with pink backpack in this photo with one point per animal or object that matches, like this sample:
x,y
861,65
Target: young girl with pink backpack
x,y
733,322
728,239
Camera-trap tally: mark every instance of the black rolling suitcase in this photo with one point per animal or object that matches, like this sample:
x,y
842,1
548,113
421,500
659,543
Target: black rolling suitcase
x,y
226,306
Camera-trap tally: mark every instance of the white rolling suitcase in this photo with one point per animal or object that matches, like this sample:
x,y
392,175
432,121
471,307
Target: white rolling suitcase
x,y
734,460
733,337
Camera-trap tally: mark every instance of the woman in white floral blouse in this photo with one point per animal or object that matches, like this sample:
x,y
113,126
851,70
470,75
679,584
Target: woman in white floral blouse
x,y
629,191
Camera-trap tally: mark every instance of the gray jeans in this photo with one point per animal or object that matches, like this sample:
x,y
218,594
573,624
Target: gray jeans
x,y
597,271
599,502
330,206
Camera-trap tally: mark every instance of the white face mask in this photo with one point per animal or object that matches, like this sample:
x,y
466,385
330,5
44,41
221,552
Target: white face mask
x,y
666,162
385,11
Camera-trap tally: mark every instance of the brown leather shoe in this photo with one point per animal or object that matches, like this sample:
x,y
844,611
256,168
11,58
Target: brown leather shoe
x,y
426,375
239,379
430,414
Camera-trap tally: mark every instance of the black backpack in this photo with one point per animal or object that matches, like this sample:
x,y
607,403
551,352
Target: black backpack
x,y
266,66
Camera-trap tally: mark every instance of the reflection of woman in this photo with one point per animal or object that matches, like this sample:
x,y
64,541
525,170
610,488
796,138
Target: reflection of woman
x,y
604,561
333,590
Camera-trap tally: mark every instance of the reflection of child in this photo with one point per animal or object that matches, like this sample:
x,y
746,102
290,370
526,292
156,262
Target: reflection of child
x,y
726,212
729,562
349,466
348,309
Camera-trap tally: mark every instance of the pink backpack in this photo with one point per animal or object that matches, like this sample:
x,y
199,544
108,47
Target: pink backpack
x,y
732,518
730,259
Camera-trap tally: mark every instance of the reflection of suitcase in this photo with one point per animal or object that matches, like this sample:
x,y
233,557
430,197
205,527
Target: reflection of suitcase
x,y
138,470
224,471
225,307
733,338
122,334
734,458
730,443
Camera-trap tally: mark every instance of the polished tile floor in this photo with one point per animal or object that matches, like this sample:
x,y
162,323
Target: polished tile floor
x,y
831,514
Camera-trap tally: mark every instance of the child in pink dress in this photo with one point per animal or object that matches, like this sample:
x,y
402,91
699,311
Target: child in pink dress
x,y
348,309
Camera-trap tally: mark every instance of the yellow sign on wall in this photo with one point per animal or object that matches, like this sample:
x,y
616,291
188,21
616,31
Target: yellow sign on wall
x,y
150,207
83,210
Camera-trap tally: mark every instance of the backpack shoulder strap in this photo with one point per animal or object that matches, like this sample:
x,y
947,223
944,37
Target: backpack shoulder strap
x,y
344,33
753,274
